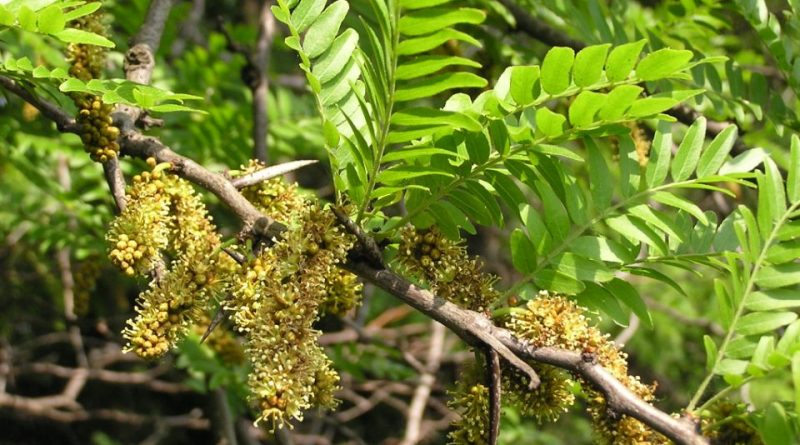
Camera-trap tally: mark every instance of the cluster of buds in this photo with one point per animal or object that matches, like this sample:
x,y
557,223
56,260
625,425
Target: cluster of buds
x,y
85,276
727,422
343,293
98,134
446,267
276,298
471,400
86,61
552,398
138,235
273,197
553,320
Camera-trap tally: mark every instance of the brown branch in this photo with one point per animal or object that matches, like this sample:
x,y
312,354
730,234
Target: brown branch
x,y
494,379
145,379
64,122
416,410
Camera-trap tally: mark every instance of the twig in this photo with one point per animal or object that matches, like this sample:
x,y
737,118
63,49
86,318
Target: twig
x,y
369,249
416,410
64,122
270,172
494,377
222,421
145,379
471,325
708,325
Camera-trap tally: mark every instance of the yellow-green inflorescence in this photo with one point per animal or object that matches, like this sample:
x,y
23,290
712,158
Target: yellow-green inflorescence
x,y
275,300
447,268
546,403
98,134
85,275
470,399
555,321
165,218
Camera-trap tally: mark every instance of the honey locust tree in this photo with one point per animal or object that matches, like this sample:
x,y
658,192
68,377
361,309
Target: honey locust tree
x,y
425,221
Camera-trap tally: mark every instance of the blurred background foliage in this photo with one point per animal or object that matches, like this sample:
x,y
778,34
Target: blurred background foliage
x,y
54,205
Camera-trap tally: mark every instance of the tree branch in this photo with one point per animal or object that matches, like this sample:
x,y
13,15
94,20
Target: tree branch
x,y
64,122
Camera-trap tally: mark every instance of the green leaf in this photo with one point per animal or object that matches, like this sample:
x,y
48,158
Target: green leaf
x,y
426,21
600,248
334,60
761,322
715,154
425,43
523,88
436,84
650,106
602,184
555,214
556,69
26,18
51,20
626,293
676,201
417,153
168,108
771,197
796,379
558,282
400,174
658,220
598,298
423,116
81,11
770,300
523,252
588,68
711,352
6,17
793,178
323,31
636,229
662,63
782,275
775,428
688,153
660,153
584,107
618,101
555,150
72,35
306,12
424,65
622,59
549,123
581,268
418,4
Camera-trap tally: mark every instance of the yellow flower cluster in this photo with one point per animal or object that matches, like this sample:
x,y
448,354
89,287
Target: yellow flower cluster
x,y
446,267
87,60
343,293
165,215
472,401
553,320
547,402
98,134
138,235
275,300
274,197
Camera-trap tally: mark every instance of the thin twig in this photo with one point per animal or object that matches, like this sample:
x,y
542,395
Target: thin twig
x,y
270,172
416,410
64,122
494,377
